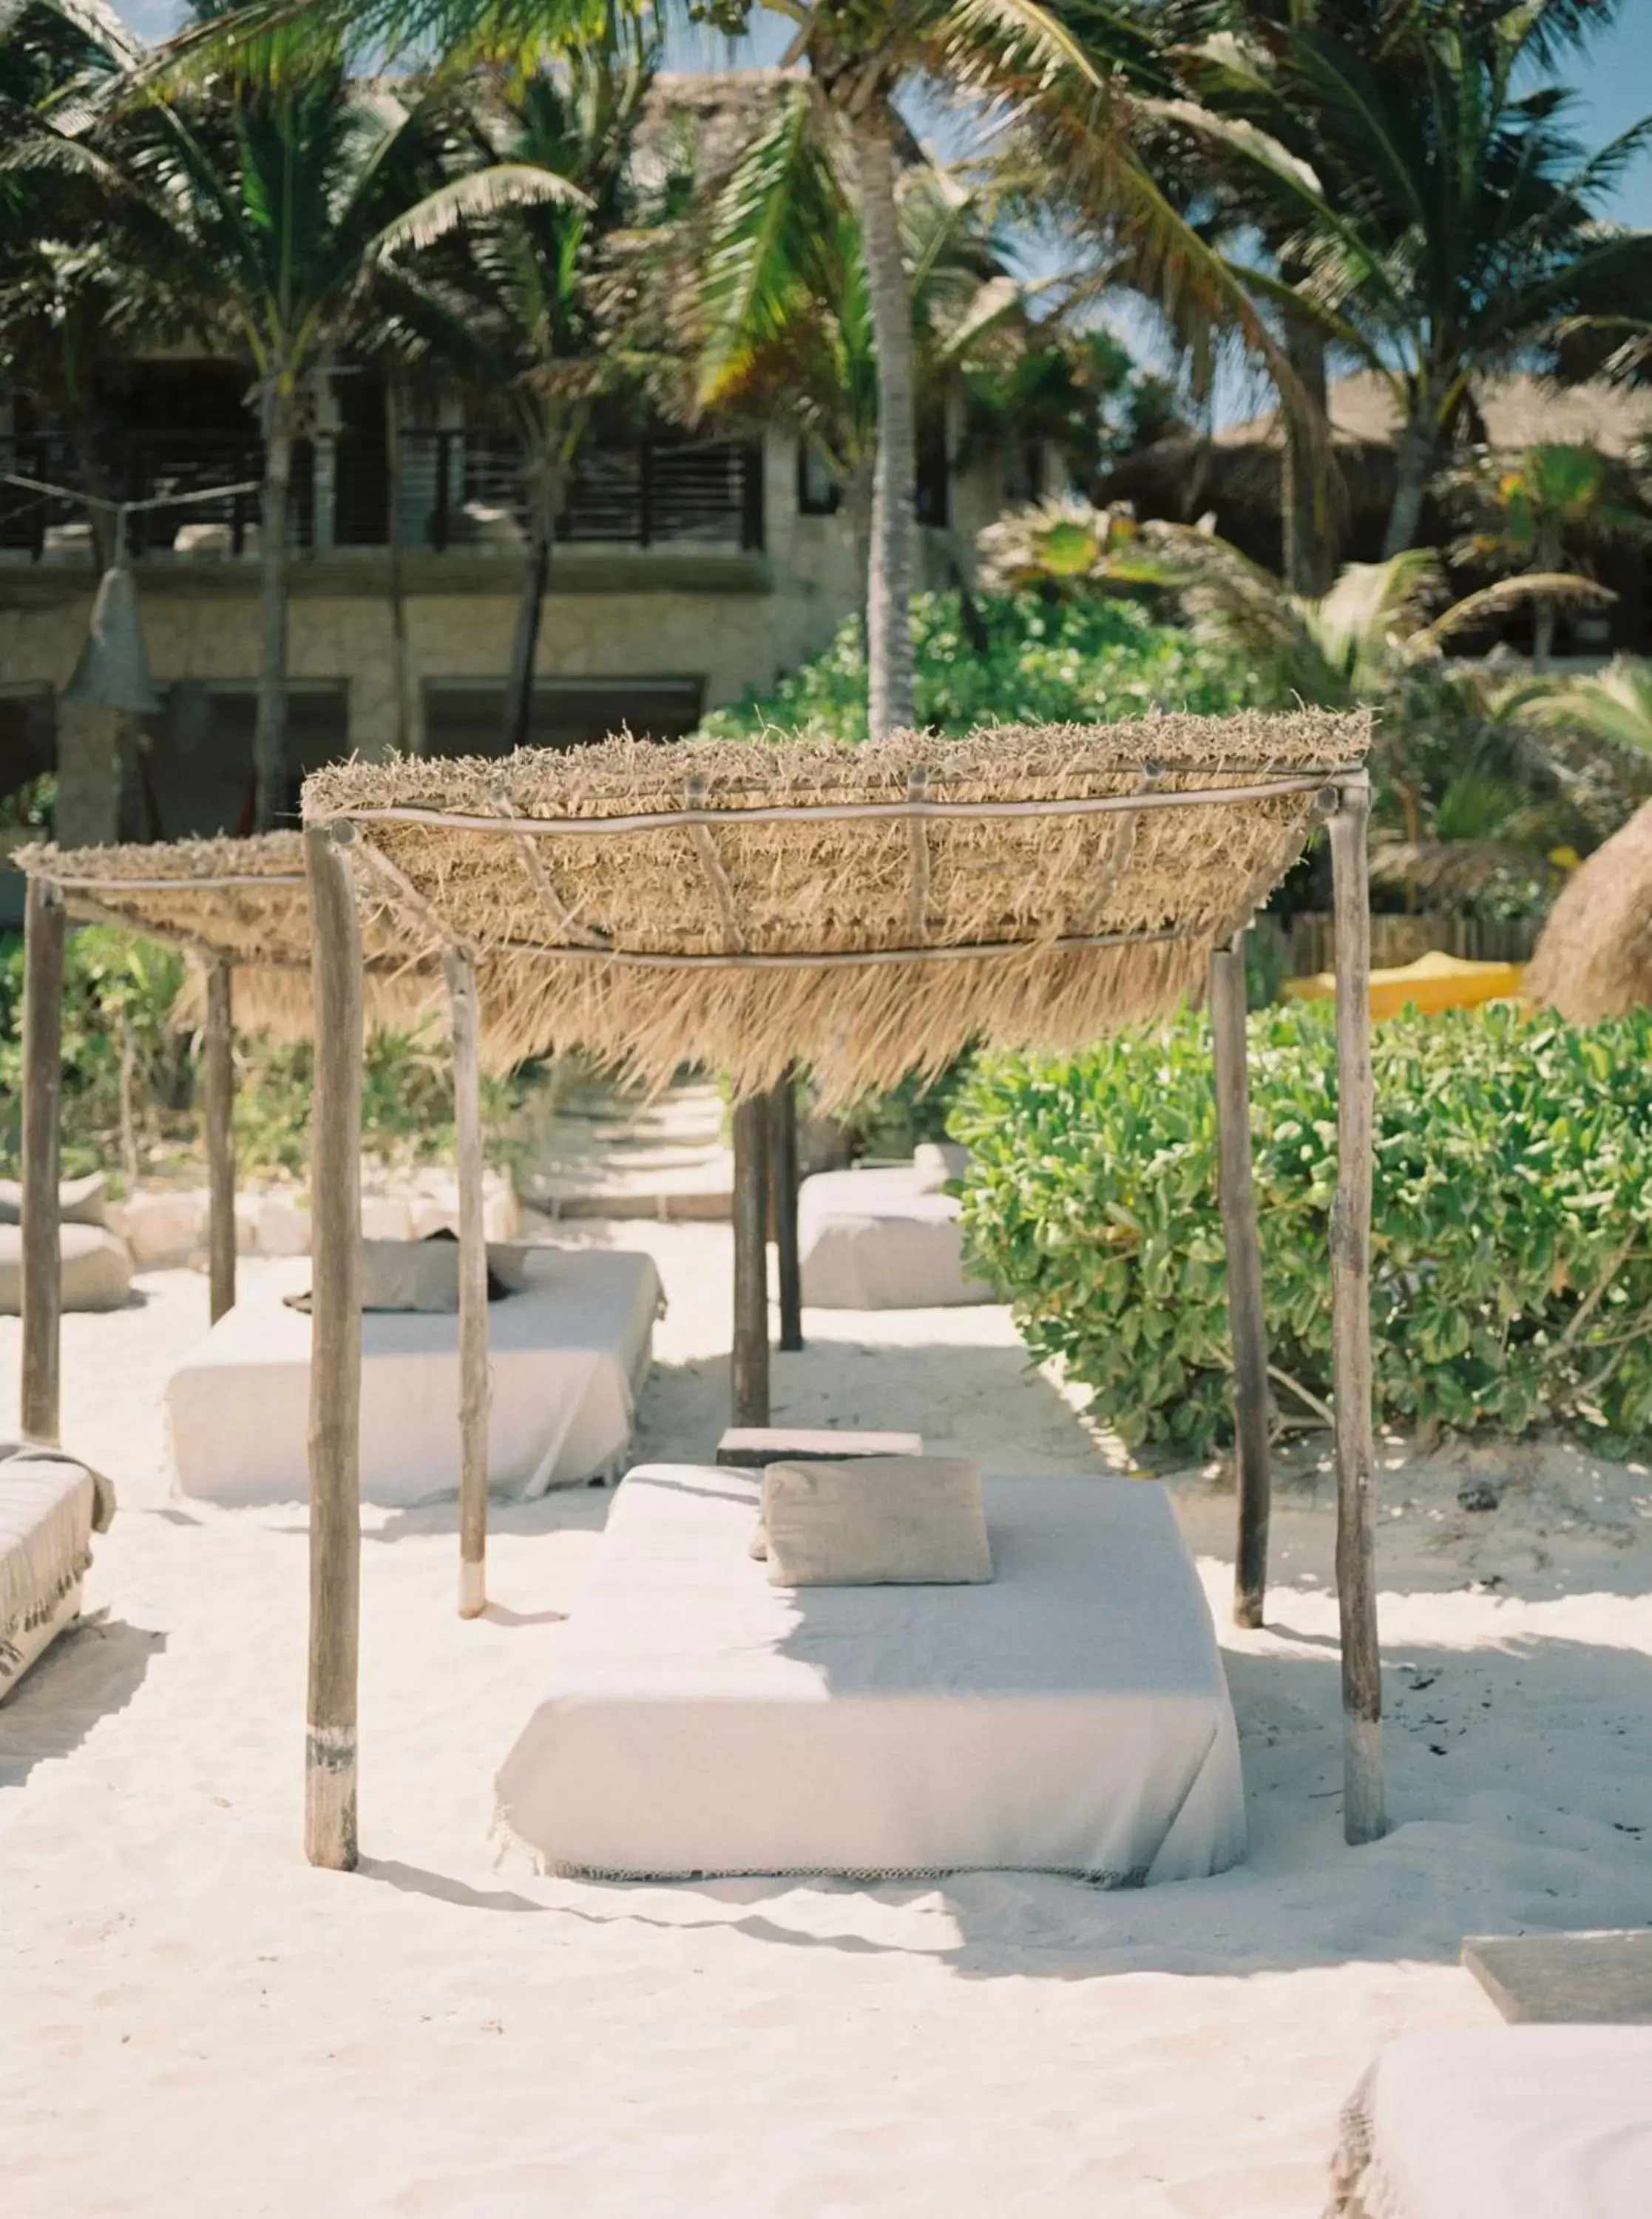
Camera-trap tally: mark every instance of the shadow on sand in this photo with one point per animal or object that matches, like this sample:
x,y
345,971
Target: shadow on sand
x,y
93,1668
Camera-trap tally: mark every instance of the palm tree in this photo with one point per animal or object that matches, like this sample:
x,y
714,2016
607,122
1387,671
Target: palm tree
x,y
59,301
1614,705
1530,511
512,305
1068,83
261,209
1442,218
784,306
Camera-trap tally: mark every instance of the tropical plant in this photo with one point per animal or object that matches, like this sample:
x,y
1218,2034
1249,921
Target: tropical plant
x,y
1353,643
1043,663
1065,546
59,296
1614,705
1068,84
1414,168
1542,511
1512,1230
260,210
512,305
785,308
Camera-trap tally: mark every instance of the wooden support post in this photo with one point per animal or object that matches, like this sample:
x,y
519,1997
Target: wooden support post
x,y
219,1048
1246,1321
1351,1291
335,1358
783,1156
750,1361
42,1139
472,1289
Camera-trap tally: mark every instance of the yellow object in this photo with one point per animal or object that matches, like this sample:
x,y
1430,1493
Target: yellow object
x,y
1432,982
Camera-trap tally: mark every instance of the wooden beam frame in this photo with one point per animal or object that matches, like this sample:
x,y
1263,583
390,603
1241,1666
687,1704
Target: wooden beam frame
x,y
474,1387
329,1815
783,1159
1247,1323
1350,1290
748,1366
42,1112
218,1054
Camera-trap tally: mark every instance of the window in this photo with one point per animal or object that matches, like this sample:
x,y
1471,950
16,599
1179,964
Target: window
x,y
464,717
818,491
195,770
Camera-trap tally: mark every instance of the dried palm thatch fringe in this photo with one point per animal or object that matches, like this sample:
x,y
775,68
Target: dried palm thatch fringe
x,y
247,902
1594,959
1161,883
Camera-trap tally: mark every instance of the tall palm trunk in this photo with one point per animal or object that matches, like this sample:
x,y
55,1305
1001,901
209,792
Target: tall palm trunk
x,y
269,734
544,498
893,703
399,670
1306,504
1414,462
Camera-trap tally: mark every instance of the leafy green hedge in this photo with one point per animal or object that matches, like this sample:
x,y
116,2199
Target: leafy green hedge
x,y
1512,1263
1072,662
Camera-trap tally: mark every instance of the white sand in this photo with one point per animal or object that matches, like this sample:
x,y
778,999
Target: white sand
x,y
192,2022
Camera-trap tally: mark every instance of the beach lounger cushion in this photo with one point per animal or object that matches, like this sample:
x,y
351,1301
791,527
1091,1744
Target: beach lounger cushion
x,y
1501,2122
875,1522
96,1268
565,1358
50,1507
80,1201
1069,1715
885,1239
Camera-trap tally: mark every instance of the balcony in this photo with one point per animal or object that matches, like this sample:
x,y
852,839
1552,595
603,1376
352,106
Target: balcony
x,y
457,494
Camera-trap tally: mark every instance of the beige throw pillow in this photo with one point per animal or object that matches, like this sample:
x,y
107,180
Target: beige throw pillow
x,y
877,1521
80,1200
410,1275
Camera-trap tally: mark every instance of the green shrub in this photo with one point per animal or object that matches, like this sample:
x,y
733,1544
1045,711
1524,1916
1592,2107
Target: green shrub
x,y
1512,1249
1077,663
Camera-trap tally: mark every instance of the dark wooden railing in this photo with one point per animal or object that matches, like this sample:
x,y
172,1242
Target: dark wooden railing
x,y
459,490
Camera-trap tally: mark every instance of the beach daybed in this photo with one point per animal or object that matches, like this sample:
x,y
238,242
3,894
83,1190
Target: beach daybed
x,y
1070,1715
50,1507
883,1238
1501,2122
858,913
565,1357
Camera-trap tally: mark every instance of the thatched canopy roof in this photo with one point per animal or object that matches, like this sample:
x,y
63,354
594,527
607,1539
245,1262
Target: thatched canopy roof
x,y
248,901
868,911
1595,957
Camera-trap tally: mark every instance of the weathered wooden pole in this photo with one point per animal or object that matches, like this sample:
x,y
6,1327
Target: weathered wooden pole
x,y
1246,1320
472,1289
783,1156
219,1054
335,1358
1351,1292
42,1108
750,1360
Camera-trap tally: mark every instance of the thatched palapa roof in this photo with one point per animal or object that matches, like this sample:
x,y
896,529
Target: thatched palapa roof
x,y
246,901
867,910
1594,959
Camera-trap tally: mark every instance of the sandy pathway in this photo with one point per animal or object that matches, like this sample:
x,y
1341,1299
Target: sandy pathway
x,y
193,2021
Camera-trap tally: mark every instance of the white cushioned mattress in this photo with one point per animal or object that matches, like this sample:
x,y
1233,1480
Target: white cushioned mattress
x,y
881,1240
1502,2122
565,1358
1070,1716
